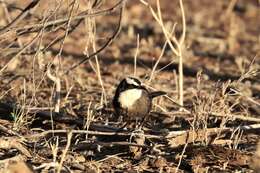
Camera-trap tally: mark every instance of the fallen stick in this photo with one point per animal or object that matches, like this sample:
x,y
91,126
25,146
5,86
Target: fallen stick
x,y
178,138
240,117
170,135
96,133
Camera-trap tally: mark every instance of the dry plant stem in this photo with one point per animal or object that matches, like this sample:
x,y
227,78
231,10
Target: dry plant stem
x,y
9,20
89,132
239,117
103,97
110,40
20,17
172,100
233,116
37,53
81,16
67,28
157,62
65,152
56,80
237,138
46,166
112,156
180,80
58,39
6,92
230,8
169,136
111,144
136,53
209,135
183,151
20,52
178,49
89,119
173,134
54,149
167,65
91,30
20,114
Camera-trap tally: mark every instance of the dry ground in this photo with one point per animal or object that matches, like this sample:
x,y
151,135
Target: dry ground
x,y
218,132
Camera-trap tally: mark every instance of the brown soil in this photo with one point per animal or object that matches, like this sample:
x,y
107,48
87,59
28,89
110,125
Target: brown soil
x,y
219,133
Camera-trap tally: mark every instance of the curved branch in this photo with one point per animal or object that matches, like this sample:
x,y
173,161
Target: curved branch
x,y
110,40
82,15
19,17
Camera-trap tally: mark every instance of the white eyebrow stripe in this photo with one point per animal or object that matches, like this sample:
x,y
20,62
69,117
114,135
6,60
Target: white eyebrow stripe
x,y
128,98
131,81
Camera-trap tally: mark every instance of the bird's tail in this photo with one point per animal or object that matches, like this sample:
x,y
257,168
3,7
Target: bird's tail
x,y
157,93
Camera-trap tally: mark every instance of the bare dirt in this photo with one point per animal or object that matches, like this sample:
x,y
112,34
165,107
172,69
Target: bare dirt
x,y
217,132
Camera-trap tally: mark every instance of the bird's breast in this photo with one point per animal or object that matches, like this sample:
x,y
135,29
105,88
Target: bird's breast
x,y
129,97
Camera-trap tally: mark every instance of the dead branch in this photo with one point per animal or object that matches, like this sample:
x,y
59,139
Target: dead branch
x,y
178,138
87,145
237,117
57,39
20,52
89,132
20,17
110,40
36,27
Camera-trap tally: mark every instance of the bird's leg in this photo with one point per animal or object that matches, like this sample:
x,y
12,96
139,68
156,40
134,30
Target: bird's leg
x,y
122,119
143,121
136,124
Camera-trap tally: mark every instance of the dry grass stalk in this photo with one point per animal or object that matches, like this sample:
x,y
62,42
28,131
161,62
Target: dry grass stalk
x,y
91,43
64,152
44,167
136,53
196,136
120,5
230,8
180,159
157,62
20,52
178,138
54,150
20,115
9,20
56,80
178,47
37,136
89,118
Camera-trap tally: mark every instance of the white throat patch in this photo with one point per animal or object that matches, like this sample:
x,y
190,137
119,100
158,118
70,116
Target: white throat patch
x,y
127,98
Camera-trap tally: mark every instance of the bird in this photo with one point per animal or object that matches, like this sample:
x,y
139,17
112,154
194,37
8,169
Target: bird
x,y
132,100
